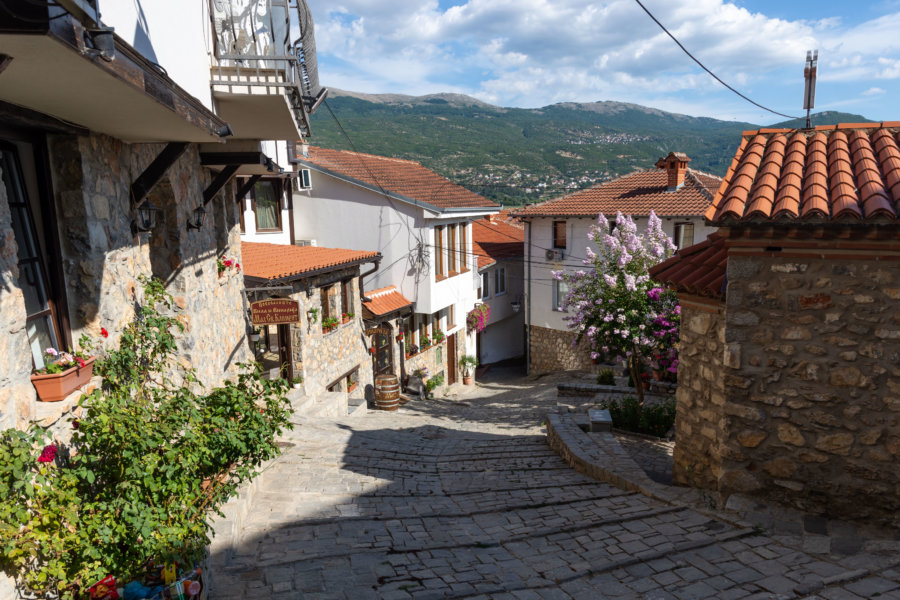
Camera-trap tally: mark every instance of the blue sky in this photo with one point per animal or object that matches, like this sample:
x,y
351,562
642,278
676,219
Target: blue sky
x,y
531,53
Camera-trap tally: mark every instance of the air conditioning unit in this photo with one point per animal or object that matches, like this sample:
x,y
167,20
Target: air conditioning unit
x,y
305,242
304,179
556,254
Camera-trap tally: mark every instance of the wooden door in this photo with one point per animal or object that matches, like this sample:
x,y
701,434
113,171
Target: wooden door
x,y
451,359
384,359
284,352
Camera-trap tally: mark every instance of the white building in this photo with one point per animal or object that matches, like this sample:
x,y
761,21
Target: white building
x,y
556,235
420,222
499,244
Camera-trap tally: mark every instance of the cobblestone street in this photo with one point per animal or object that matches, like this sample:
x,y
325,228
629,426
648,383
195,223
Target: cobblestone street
x,y
463,498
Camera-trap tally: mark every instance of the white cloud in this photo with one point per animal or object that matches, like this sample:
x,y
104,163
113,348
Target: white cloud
x,y
874,91
535,52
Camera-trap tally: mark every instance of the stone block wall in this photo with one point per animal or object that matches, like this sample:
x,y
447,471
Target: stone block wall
x,y
812,384
552,350
699,420
103,261
322,358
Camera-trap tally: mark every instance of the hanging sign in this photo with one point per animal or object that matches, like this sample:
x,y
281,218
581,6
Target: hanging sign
x,y
275,311
377,330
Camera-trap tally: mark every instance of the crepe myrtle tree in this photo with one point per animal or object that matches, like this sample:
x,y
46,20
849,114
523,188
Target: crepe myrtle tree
x,y
615,305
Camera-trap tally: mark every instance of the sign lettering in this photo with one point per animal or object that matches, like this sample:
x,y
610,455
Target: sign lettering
x,y
377,330
275,311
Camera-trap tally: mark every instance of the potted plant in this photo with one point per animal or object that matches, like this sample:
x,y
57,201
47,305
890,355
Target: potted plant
x,y
438,336
424,342
434,382
400,337
468,363
328,324
62,374
254,335
313,315
411,349
346,317
296,382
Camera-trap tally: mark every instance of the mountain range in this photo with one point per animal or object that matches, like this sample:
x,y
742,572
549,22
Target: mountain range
x,y
518,155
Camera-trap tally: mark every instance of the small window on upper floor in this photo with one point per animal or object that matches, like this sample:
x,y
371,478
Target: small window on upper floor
x,y
559,234
684,235
560,292
499,281
486,285
266,194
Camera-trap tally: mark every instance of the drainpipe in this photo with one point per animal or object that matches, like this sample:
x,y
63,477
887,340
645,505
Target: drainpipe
x,y
528,308
377,261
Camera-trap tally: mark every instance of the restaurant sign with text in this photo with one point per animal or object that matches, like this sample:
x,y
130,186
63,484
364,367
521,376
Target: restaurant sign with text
x,y
275,311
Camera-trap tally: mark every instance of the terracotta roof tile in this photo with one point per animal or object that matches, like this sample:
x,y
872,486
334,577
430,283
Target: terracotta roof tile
x,y
635,194
385,301
849,171
403,177
494,239
697,269
277,261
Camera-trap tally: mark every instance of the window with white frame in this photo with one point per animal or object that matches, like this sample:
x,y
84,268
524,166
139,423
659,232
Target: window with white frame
x,y
684,235
486,285
499,281
560,291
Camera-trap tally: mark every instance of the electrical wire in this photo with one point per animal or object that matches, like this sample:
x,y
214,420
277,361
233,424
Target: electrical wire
x,y
702,66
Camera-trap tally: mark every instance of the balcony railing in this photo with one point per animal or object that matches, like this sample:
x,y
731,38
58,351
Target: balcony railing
x,y
254,52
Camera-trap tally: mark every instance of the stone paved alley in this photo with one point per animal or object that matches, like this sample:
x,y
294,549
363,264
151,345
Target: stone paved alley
x,y
462,498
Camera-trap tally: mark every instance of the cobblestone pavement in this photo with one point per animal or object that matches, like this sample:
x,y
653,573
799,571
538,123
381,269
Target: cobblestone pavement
x,y
654,456
462,498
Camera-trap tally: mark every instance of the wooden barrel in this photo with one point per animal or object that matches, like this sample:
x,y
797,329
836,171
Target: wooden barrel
x,y
387,392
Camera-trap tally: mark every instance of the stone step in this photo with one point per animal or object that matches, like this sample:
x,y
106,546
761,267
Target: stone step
x,y
357,407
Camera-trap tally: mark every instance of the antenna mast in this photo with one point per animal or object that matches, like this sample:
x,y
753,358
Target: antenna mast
x,y
809,92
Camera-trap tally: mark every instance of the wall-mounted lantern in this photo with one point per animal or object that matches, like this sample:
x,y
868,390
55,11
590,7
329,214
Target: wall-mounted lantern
x,y
146,218
198,220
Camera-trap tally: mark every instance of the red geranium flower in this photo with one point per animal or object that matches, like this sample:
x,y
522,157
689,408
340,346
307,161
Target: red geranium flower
x,y
237,266
104,332
47,454
80,361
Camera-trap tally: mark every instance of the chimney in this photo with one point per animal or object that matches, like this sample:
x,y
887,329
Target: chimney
x,y
675,165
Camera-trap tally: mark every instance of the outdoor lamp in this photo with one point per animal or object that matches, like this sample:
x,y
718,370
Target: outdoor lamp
x,y
198,220
146,218
516,305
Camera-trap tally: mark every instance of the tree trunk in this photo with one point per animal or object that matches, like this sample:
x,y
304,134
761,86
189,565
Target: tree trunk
x,y
635,366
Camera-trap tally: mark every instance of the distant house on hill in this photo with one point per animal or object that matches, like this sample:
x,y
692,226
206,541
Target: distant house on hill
x,y
556,235
416,301
788,384
498,241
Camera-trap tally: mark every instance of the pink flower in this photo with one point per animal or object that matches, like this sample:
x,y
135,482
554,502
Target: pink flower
x,y
51,352
47,454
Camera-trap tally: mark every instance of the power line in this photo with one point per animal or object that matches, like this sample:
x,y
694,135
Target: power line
x,y
702,66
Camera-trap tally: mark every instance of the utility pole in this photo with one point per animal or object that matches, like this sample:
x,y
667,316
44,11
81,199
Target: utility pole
x,y
809,92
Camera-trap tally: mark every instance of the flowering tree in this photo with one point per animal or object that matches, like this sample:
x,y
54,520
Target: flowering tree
x,y
615,305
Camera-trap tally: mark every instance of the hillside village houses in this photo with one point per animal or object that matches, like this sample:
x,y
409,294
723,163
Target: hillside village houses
x,y
556,235
416,300
498,242
788,379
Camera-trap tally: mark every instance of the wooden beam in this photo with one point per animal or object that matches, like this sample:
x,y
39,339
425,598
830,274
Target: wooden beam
x,y
11,114
218,183
247,186
208,159
155,170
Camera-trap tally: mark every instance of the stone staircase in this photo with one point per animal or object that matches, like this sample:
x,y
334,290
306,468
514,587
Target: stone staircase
x,y
327,404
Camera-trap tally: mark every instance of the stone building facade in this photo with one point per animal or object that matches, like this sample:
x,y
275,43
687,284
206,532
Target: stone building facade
x,y
558,351
789,389
101,262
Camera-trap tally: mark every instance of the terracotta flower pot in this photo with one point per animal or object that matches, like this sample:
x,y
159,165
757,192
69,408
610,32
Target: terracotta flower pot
x,y
468,379
56,386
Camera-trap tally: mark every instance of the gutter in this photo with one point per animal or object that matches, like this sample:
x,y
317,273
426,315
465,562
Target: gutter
x,y
377,261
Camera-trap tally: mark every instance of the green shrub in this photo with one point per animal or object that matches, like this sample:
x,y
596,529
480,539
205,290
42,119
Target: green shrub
x,y
652,420
434,382
606,377
149,460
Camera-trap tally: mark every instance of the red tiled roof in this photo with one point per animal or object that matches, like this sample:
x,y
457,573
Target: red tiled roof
x,y
834,172
404,177
494,239
276,261
697,269
635,194
386,300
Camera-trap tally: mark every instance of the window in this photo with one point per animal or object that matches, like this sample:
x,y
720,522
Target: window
x,y
500,281
408,340
40,321
560,291
436,321
451,317
325,302
486,284
439,251
684,235
452,258
463,246
352,380
559,234
423,330
346,297
266,194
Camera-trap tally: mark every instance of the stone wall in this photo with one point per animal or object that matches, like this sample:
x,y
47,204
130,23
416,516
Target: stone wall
x,y
103,261
811,409
323,358
699,422
552,350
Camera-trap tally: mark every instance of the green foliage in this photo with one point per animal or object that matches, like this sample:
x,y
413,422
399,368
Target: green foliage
x,y
329,323
314,315
468,362
652,420
434,382
606,377
149,460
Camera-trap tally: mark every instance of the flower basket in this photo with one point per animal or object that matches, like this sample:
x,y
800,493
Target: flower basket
x,y
56,386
